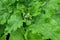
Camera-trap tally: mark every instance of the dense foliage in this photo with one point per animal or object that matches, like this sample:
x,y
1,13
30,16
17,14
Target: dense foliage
x,y
29,19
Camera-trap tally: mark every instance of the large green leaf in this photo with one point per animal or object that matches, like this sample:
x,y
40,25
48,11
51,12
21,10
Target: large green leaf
x,y
14,22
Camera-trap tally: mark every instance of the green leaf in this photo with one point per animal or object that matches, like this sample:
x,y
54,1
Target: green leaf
x,y
14,22
17,35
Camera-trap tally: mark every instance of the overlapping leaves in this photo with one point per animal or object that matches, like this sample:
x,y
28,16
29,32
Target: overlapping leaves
x,y
41,18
